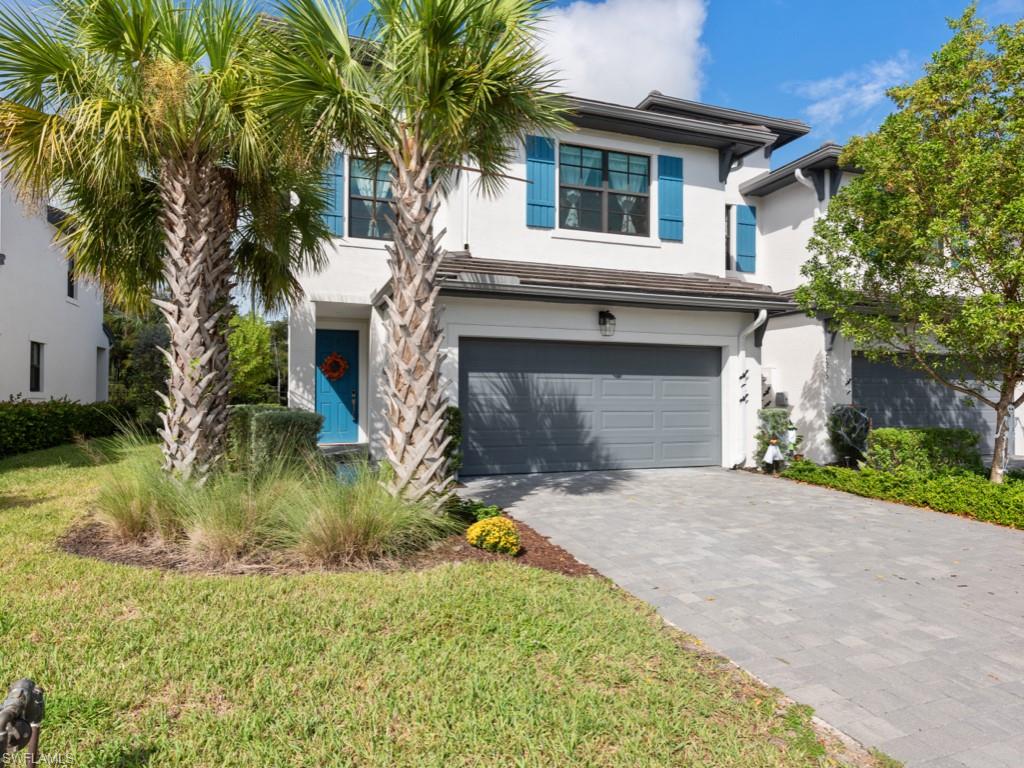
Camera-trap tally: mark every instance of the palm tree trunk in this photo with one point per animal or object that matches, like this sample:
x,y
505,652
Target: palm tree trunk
x,y
198,224
415,444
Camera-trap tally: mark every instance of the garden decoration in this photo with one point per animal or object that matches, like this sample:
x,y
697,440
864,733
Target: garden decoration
x,y
21,715
334,366
848,427
777,438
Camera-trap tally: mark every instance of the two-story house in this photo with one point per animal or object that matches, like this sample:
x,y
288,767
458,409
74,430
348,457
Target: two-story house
x,y
624,303
52,341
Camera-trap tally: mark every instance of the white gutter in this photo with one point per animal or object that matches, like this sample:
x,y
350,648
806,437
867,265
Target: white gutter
x,y
798,174
761,319
465,210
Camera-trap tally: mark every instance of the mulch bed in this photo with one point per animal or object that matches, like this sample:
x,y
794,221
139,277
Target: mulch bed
x,y
537,551
92,539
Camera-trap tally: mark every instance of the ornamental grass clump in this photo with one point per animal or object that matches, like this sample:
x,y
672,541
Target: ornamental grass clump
x,y
357,522
287,512
495,534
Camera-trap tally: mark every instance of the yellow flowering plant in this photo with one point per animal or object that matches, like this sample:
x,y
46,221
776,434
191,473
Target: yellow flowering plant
x,y
495,534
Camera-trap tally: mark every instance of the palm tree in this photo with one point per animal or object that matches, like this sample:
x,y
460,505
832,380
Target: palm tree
x,y
147,119
452,84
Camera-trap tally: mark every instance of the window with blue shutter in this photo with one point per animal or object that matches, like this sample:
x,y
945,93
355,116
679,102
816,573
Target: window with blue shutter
x,y
540,182
334,179
670,197
746,238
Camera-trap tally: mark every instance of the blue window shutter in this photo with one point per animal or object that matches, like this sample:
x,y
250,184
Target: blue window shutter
x,y
540,182
334,179
670,197
746,238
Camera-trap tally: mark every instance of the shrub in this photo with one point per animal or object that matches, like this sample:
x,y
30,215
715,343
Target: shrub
x,y
27,425
775,423
334,523
287,510
848,428
240,431
958,492
453,430
927,450
137,498
495,534
282,435
234,517
472,510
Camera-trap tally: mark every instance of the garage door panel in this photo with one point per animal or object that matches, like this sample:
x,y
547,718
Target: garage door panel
x,y
686,452
632,451
625,387
531,406
628,419
688,420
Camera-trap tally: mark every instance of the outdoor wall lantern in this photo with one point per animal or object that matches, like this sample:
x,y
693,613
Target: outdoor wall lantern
x,y
20,716
606,322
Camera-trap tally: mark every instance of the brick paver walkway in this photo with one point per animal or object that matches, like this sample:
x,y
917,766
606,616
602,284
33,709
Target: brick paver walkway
x,y
902,627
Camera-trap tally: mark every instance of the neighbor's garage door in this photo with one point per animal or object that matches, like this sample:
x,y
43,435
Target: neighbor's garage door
x,y
539,406
894,396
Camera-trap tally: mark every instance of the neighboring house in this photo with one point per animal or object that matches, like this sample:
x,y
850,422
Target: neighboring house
x,y
610,309
52,341
806,364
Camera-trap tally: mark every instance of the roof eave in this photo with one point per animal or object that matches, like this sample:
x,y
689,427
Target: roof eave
x,y
772,181
773,303
787,129
615,118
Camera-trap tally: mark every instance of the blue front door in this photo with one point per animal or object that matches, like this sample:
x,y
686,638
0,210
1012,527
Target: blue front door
x,y
337,397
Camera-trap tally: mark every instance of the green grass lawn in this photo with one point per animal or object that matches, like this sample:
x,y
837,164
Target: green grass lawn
x,y
462,665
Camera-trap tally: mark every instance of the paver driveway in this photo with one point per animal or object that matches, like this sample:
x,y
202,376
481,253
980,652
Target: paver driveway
x,y
902,627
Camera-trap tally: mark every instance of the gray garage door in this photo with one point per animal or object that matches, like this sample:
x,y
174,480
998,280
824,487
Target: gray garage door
x,y
902,397
538,406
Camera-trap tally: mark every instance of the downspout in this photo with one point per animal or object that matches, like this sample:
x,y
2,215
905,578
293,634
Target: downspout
x,y
465,211
761,319
798,174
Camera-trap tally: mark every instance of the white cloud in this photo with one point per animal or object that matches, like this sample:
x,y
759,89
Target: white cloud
x,y
835,100
1002,8
618,50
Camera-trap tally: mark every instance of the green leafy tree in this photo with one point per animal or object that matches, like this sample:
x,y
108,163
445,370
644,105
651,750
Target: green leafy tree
x,y
251,363
920,259
149,118
448,84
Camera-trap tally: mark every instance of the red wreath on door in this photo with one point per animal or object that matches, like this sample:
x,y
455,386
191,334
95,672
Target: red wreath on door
x,y
334,366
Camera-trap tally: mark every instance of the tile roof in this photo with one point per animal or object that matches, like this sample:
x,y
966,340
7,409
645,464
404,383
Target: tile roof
x,y
461,272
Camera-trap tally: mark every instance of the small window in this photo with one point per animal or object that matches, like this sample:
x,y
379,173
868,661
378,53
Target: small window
x,y
369,212
728,237
72,283
603,191
35,367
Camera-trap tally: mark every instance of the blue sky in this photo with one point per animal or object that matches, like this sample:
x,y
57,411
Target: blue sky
x,y
826,62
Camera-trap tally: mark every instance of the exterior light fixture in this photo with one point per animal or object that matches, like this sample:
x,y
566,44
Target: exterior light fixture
x,y
606,322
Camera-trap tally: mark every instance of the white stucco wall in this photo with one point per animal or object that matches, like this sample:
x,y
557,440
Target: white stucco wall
x,y
786,222
495,227
34,306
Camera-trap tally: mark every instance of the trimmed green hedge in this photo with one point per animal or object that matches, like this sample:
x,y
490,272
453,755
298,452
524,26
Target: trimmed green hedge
x,y
927,450
959,493
240,430
282,435
30,425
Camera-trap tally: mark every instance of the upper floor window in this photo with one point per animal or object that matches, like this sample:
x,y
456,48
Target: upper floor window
x,y
35,367
72,283
603,191
369,190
